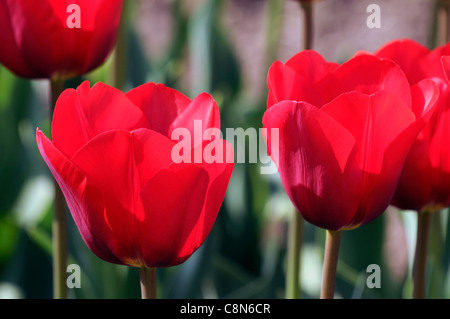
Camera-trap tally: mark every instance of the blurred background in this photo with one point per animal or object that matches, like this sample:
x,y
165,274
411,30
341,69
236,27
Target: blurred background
x,y
223,47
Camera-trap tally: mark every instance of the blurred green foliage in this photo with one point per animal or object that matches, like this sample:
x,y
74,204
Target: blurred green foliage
x,y
245,254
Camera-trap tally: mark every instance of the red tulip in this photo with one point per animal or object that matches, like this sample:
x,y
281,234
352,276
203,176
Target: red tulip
x,y
344,133
112,157
57,39
425,181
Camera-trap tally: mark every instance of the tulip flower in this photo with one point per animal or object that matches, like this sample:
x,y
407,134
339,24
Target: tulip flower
x,y
424,184
57,39
344,133
133,201
425,180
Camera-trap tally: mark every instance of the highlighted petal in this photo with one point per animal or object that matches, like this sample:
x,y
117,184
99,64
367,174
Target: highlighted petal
x,y
366,74
173,203
160,104
85,202
374,121
119,163
407,54
181,205
82,114
296,79
311,65
425,95
202,109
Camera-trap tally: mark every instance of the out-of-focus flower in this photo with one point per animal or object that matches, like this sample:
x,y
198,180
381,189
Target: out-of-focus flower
x,y
57,39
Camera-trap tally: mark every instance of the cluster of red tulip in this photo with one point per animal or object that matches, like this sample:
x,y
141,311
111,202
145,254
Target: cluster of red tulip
x,y
367,133
353,138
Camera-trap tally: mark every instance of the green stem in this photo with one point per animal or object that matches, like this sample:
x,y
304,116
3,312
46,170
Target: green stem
x,y
59,226
441,23
420,257
330,261
307,9
148,282
293,256
274,17
436,256
447,21
119,66
296,225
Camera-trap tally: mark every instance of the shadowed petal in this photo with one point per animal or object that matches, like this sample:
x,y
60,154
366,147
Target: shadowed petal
x,y
318,167
160,104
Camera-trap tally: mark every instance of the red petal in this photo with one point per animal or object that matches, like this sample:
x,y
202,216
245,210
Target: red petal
x,y
445,60
425,96
181,206
378,122
374,121
10,55
133,157
82,114
38,33
439,152
317,163
101,20
173,203
311,65
296,79
425,179
394,159
366,74
202,113
29,22
119,163
414,187
432,64
160,104
85,202
408,54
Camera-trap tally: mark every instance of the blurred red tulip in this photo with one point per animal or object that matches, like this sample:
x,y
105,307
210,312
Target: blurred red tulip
x,y
57,39
344,133
112,157
425,181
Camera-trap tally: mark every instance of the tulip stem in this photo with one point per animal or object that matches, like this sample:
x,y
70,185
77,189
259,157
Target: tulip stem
x,y
446,36
330,261
307,9
295,237
59,225
148,282
420,257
